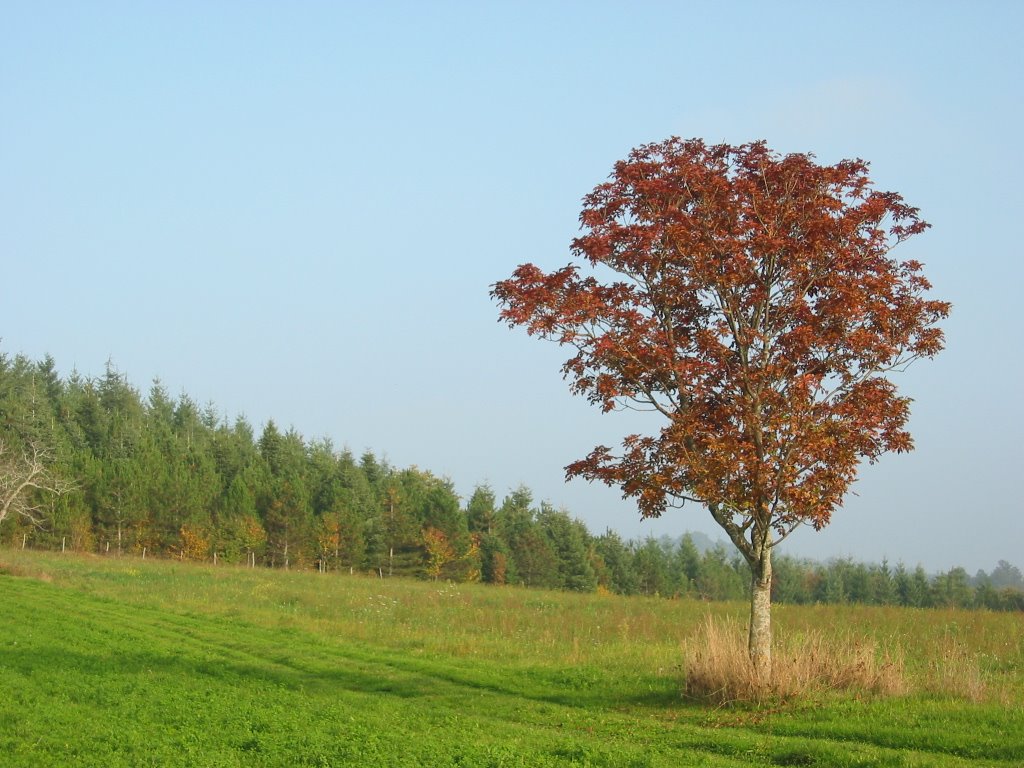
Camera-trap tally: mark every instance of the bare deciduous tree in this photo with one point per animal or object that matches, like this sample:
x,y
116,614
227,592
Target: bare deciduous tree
x,y
25,477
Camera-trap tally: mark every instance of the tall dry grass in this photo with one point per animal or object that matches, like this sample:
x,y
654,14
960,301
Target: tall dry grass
x,y
718,666
953,670
813,663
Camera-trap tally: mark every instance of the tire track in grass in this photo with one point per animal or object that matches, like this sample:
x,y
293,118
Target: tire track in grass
x,y
320,660
102,624
237,642
210,645
96,621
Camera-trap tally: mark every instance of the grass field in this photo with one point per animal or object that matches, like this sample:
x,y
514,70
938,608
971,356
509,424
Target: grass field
x,y
123,662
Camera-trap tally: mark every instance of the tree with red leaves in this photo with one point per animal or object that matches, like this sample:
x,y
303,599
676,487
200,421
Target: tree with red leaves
x,y
751,301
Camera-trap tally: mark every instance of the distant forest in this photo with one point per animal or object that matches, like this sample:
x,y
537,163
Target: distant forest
x,y
161,476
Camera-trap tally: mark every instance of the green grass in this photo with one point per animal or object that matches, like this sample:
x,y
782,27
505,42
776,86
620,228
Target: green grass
x,y
112,662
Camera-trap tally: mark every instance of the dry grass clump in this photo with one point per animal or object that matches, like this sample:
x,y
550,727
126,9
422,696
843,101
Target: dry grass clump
x,y
718,668
954,671
24,571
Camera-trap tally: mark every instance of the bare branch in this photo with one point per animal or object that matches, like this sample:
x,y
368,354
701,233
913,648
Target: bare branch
x,y
25,478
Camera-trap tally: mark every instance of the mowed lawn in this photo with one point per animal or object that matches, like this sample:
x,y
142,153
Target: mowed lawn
x,y
124,662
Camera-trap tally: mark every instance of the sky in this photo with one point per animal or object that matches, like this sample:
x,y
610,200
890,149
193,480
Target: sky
x,y
296,210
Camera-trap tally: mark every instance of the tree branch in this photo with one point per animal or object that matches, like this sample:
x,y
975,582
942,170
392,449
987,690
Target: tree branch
x,y
23,477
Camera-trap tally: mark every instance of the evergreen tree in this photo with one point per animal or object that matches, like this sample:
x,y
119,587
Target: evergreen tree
x,y
394,545
533,557
918,592
952,589
651,564
720,578
883,586
617,558
1005,575
793,581
686,565
481,516
284,505
571,546
496,566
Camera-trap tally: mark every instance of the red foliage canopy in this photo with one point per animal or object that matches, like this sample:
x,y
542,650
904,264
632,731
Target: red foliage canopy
x,y
751,299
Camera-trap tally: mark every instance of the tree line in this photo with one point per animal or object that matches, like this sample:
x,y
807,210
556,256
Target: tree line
x,y
157,475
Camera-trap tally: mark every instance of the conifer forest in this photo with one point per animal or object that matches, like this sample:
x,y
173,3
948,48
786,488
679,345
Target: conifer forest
x,y
119,472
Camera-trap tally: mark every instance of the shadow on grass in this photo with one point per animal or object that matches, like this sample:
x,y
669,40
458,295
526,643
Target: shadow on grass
x,y
356,670
488,691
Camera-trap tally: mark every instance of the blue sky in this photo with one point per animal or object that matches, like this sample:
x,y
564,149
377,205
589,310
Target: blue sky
x,y
295,210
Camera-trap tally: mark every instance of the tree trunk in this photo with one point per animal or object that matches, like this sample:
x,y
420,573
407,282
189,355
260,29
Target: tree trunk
x,y
760,641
